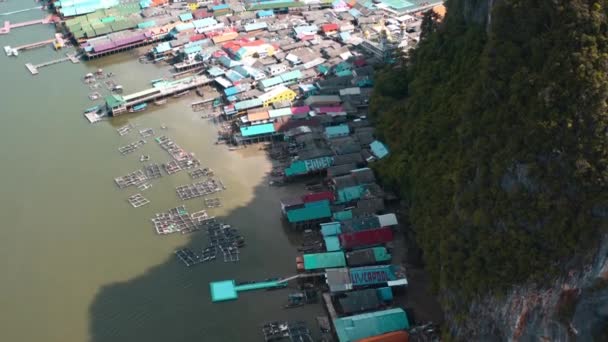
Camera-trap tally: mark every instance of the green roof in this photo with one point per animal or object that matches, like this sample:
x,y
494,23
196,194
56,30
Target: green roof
x,y
113,101
354,328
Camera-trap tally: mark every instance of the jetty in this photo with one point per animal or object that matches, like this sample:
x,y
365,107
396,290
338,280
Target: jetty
x,y
7,27
228,289
34,69
162,90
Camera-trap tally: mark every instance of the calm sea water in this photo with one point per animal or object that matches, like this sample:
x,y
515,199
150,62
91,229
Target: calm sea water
x,y
78,263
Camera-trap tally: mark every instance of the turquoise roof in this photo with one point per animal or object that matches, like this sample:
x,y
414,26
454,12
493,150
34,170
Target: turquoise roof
x,y
242,105
215,71
162,47
192,49
332,243
248,131
310,211
256,26
330,229
271,82
343,215
337,131
220,7
223,290
184,27
378,149
350,193
353,328
324,260
200,23
186,16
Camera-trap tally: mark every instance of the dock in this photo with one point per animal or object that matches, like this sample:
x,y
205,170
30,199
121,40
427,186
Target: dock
x,y
7,27
123,104
34,69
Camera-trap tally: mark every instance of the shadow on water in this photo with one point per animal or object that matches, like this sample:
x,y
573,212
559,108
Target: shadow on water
x,y
171,302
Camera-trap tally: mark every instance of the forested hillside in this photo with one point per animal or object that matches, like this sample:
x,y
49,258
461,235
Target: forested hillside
x,y
498,137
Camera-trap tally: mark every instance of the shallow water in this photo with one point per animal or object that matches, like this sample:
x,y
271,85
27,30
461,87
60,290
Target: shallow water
x,y
78,262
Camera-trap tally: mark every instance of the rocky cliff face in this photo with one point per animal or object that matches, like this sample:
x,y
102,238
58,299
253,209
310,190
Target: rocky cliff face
x,y
574,308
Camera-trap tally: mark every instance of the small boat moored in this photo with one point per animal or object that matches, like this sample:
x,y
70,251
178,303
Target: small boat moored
x,y
138,108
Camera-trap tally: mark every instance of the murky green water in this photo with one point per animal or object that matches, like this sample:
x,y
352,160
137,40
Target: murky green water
x,y
78,263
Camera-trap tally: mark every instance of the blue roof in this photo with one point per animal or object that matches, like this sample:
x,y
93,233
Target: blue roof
x,y
291,75
200,23
354,12
220,7
256,26
228,62
332,243
242,70
337,131
248,131
378,149
306,29
192,49
186,16
242,105
344,36
331,229
215,71
270,82
162,47
265,13
233,76
184,27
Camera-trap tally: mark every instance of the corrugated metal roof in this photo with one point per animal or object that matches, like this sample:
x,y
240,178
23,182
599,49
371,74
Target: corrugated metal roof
x,y
332,243
356,327
378,149
324,260
337,131
242,105
248,131
338,279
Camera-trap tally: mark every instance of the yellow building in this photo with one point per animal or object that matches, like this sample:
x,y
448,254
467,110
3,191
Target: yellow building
x,y
193,6
277,94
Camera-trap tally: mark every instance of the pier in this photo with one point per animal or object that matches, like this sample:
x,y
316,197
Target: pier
x,y
7,27
120,104
34,69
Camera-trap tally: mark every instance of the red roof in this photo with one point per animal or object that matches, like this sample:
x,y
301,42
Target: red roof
x,y
330,27
319,196
366,238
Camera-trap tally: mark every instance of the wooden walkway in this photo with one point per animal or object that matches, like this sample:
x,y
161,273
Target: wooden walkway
x,y
6,29
69,57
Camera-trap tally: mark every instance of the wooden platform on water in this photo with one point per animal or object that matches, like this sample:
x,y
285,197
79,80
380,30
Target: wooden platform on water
x,y
69,57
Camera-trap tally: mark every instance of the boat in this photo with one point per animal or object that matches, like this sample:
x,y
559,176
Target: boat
x,y
15,52
144,158
92,109
157,80
160,102
117,88
182,93
138,108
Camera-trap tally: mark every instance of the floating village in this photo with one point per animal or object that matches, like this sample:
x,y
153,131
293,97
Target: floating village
x,y
292,78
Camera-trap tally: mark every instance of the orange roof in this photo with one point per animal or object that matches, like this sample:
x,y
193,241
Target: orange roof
x,y
440,10
257,116
395,336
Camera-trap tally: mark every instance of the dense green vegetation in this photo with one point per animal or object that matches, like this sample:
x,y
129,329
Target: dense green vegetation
x,y
498,140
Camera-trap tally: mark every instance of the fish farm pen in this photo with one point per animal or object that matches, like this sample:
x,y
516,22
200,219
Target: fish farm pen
x,y
152,171
131,147
138,200
134,178
223,241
